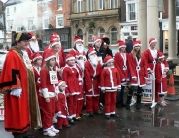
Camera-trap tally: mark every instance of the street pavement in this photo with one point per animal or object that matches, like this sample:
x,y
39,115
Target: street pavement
x,y
160,122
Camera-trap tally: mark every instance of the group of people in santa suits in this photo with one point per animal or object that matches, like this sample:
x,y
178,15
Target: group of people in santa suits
x,y
65,83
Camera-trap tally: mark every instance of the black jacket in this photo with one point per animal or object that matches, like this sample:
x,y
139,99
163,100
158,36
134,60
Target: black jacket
x,y
129,46
109,52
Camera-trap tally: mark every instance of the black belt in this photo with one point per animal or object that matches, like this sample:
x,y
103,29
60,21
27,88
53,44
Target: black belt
x,y
94,77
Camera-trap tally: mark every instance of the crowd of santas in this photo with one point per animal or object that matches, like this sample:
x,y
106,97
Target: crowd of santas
x,y
63,82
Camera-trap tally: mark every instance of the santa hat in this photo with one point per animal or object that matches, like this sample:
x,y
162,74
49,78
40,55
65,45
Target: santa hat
x,y
152,40
137,43
70,57
91,50
31,35
106,40
53,43
160,55
35,56
54,37
60,82
49,55
121,44
107,59
77,39
97,39
54,34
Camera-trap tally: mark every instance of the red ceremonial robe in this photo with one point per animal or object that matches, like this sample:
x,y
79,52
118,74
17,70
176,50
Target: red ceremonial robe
x,y
14,75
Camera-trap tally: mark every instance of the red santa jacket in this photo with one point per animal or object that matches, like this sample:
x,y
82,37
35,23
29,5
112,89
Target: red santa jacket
x,y
29,51
92,78
71,76
110,79
138,69
73,52
120,63
37,78
161,78
151,61
47,89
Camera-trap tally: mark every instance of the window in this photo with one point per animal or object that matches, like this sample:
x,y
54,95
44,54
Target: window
x,y
19,27
100,4
60,4
113,34
14,9
46,23
90,36
80,6
9,25
45,6
101,32
90,5
80,33
30,24
113,4
131,11
7,11
59,21
177,7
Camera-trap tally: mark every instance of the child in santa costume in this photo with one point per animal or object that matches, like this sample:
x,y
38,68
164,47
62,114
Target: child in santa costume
x,y
80,60
36,62
151,58
71,76
61,106
93,70
120,62
138,70
48,78
110,83
161,79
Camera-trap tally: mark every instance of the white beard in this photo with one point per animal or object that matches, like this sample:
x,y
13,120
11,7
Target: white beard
x,y
94,60
81,64
34,46
80,47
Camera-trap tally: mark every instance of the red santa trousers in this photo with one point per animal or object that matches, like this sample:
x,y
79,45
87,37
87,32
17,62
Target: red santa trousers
x,y
80,104
62,120
72,105
110,102
92,103
48,110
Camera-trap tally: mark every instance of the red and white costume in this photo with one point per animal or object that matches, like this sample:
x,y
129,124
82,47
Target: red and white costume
x,y
120,62
71,76
137,68
110,83
47,91
61,107
92,80
161,76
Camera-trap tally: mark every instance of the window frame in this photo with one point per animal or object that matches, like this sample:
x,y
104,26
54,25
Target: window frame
x,y
99,33
116,1
8,11
9,24
91,36
80,35
81,6
45,8
127,11
90,5
113,44
59,16
44,26
60,8
101,5
31,27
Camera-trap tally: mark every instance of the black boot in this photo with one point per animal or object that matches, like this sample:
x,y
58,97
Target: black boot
x,y
17,135
128,102
138,105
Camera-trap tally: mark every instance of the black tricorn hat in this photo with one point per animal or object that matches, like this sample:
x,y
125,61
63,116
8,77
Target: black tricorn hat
x,y
21,36
106,40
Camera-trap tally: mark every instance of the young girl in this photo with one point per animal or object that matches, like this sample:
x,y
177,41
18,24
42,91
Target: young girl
x,y
138,70
37,61
120,62
62,106
70,75
48,77
161,78
110,83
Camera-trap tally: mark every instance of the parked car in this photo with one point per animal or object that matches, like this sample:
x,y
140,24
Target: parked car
x,y
3,54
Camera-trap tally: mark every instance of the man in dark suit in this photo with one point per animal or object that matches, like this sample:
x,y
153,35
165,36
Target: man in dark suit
x,y
129,44
105,44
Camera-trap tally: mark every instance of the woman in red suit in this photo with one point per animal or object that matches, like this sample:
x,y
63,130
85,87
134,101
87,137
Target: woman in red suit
x,y
138,70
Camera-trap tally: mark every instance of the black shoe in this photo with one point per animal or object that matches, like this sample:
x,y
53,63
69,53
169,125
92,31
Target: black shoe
x,y
123,104
128,107
71,121
114,115
91,114
107,117
29,136
98,112
77,119
138,106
